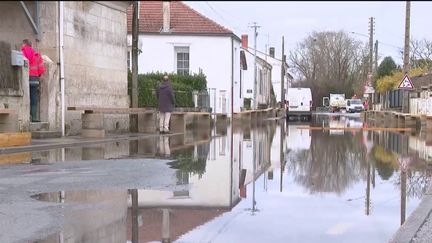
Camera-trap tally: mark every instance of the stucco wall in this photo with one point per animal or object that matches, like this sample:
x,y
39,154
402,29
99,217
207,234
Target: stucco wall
x,y
211,54
248,80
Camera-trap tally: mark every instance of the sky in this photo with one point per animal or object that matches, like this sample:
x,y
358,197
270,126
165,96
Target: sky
x,y
296,20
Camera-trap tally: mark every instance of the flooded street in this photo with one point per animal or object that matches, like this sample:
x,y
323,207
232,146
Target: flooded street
x,y
270,182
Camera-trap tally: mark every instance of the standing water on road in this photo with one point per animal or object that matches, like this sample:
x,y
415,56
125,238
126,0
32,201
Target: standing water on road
x,y
273,182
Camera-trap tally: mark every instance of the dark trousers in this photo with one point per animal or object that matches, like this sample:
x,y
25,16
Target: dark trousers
x,y
34,98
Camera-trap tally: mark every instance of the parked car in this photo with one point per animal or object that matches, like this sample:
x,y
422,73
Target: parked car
x,y
299,103
354,105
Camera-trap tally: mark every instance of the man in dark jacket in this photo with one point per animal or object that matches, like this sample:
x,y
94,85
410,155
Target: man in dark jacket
x,y
165,95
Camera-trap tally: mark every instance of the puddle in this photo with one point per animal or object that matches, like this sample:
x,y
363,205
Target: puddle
x,y
275,182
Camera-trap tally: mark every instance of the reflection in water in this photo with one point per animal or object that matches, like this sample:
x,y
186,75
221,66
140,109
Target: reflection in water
x,y
299,185
92,216
332,164
134,213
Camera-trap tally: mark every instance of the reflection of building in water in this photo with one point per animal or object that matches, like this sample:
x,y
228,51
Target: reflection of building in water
x,y
208,185
167,225
204,193
208,181
256,151
104,222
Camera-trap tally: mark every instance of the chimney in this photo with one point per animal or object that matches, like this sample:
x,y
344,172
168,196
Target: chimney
x,y
244,39
166,16
272,51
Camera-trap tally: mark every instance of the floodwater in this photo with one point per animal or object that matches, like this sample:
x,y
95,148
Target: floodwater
x,y
272,182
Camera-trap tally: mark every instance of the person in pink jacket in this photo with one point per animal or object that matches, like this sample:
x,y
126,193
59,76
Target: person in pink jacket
x,y
36,70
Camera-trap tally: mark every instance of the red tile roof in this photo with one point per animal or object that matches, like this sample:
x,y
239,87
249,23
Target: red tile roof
x,y
184,19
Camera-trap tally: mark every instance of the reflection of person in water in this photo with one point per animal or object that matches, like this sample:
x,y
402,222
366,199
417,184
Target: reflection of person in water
x,y
164,148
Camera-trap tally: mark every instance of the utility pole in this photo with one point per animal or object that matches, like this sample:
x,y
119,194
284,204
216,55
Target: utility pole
x,y
371,32
255,26
135,55
283,74
407,38
376,57
405,98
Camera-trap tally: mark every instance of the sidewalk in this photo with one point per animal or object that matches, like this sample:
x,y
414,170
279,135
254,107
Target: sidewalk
x,y
73,141
418,227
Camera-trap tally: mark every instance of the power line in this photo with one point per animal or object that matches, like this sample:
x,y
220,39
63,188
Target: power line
x,y
222,18
208,4
383,43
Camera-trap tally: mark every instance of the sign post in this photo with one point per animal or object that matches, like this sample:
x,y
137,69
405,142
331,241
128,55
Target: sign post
x,y
406,83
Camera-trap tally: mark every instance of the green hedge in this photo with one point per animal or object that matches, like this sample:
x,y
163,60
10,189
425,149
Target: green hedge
x,y
183,86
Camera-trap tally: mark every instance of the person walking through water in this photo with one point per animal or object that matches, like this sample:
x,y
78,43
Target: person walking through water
x,y
166,101
36,70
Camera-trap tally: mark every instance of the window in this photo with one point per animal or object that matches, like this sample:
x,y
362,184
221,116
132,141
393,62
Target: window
x,y
129,60
182,60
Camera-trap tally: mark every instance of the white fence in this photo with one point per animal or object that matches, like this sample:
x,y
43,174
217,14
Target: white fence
x,y
421,106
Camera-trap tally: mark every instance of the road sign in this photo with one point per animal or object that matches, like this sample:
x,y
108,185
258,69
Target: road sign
x,y
369,89
406,83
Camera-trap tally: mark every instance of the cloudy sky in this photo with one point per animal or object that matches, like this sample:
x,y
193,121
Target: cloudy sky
x,y
295,20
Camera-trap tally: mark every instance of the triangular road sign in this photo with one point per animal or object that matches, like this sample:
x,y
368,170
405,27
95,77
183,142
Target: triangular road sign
x,y
406,83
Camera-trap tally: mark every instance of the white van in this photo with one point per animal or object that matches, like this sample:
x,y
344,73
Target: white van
x,y
354,105
299,103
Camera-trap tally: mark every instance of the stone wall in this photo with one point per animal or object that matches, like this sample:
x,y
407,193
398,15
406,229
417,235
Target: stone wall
x,y
14,25
18,100
95,61
94,55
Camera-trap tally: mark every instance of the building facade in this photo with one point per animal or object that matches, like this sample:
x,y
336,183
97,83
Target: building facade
x,y
95,56
174,38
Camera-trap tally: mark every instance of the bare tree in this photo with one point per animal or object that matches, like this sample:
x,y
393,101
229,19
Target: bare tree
x,y
330,62
420,53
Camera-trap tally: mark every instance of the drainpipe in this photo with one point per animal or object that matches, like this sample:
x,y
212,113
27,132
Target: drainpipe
x,y
232,119
62,90
38,36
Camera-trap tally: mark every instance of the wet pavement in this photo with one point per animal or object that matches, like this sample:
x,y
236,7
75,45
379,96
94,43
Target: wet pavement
x,y
269,182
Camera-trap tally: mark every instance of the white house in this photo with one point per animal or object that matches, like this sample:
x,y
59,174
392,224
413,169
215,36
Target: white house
x,y
263,75
174,38
276,71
